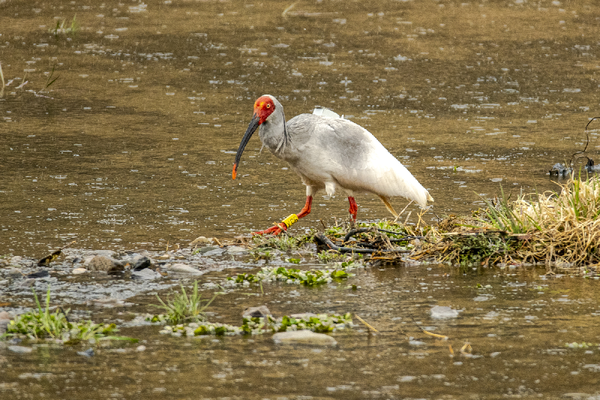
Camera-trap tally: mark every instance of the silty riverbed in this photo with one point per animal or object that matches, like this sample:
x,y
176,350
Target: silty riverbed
x,y
129,152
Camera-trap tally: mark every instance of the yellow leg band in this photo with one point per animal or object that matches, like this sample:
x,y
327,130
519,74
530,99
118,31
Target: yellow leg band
x,y
291,220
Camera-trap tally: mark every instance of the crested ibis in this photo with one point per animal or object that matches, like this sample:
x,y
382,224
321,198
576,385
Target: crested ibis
x,y
328,153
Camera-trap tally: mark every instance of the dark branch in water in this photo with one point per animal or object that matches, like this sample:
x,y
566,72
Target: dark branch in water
x,y
361,230
587,135
325,240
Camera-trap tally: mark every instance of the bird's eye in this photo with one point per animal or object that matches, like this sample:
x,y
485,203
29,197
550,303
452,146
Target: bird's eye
x,y
268,106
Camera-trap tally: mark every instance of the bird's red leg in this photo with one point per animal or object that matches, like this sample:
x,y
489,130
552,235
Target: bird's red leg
x,y
353,207
276,230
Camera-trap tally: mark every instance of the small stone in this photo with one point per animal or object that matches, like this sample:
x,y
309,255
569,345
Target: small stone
x,y
4,320
78,271
141,348
147,273
87,353
105,264
20,349
256,312
184,269
304,337
205,249
140,262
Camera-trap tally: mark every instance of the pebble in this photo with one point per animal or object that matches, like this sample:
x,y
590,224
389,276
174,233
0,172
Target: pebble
x,y
184,269
205,249
20,349
141,348
77,271
146,274
256,312
304,337
140,262
105,264
4,320
87,353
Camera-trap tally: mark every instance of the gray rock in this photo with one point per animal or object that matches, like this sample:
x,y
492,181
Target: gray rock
x,y
256,312
105,264
140,262
87,353
146,274
184,269
304,337
78,271
205,249
20,349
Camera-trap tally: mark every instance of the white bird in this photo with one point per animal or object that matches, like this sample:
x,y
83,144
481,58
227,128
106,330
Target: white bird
x,y
329,153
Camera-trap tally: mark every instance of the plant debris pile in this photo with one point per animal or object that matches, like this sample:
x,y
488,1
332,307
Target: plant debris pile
x,y
559,230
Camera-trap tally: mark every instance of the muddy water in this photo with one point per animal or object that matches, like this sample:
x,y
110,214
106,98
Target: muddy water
x,y
132,147
517,326
132,144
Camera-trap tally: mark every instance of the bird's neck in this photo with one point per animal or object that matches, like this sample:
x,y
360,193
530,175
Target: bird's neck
x,y
273,134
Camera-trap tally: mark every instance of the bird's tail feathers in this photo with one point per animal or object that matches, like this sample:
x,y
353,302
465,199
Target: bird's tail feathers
x,y
386,201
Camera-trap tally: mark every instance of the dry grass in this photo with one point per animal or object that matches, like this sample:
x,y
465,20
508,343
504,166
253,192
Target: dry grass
x,y
557,229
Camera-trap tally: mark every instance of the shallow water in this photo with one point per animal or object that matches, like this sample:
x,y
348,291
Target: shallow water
x,y
133,144
132,147
517,324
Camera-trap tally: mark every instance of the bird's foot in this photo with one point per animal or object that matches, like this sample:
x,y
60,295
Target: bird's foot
x,y
278,228
274,230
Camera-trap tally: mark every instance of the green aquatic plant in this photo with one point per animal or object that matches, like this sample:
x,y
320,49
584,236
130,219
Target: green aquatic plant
x,y
311,277
183,307
65,27
323,323
261,253
331,256
42,324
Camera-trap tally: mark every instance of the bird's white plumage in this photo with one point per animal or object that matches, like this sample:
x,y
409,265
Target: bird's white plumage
x,y
332,153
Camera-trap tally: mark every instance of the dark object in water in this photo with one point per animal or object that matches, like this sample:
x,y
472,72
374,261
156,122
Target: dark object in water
x,y
39,274
44,262
88,353
141,263
256,312
560,170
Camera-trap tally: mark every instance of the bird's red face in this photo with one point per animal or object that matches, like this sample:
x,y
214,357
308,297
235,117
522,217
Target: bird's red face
x,y
263,107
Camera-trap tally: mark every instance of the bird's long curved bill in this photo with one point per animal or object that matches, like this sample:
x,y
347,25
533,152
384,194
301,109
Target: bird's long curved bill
x,y
251,129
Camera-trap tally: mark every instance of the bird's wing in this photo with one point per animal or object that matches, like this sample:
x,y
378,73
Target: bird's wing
x,y
352,157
